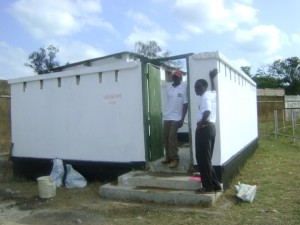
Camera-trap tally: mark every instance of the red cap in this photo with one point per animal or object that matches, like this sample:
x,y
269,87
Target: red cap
x,y
177,73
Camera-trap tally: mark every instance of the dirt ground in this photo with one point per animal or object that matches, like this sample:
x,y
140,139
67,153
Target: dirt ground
x,y
82,207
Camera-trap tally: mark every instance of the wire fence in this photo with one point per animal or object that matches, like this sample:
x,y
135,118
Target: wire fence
x,y
287,123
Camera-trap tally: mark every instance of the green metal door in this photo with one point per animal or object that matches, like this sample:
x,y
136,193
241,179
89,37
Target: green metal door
x,y
156,150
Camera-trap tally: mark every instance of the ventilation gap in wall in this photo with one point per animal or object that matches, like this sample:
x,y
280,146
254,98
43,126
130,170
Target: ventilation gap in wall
x,y
24,86
77,79
58,82
100,77
41,84
116,75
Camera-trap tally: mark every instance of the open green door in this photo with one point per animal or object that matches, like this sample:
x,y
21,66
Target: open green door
x,y
156,150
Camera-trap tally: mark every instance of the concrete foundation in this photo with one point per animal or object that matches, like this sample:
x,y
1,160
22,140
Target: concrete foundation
x,y
178,189
160,184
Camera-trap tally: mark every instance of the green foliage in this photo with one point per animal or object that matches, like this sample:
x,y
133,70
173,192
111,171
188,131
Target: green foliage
x,y
149,49
246,70
152,50
281,74
267,82
43,60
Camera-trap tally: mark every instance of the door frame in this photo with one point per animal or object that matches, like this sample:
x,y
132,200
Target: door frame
x,y
158,62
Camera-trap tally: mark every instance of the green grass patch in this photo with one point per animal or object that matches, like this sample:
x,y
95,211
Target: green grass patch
x,y
275,169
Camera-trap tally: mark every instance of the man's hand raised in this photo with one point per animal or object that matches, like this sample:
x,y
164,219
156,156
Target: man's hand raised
x,y
213,73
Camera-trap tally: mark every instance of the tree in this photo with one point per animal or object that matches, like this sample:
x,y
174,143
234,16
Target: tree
x,y
267,82
262,79
246,70
152,50
288,71
43,61
149,49
285,72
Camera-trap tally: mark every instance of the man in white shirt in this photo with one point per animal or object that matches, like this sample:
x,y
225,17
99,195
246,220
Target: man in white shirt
x,y
174,114
205,134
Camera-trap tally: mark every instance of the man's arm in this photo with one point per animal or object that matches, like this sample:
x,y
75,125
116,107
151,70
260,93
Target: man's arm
x,y
203,121
212,74
184,111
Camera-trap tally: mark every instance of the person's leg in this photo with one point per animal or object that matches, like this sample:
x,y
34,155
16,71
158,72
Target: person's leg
x,y
173,142
167,126
203,157
214,179
173,145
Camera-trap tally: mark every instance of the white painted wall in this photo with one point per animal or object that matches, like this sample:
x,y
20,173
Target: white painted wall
x,y
236,107
103,121
92,120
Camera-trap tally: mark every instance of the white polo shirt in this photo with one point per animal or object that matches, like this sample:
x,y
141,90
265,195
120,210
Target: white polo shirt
x,y
176,97
208,102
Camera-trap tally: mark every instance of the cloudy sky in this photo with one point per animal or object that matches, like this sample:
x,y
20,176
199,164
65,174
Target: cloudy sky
x,y
248,32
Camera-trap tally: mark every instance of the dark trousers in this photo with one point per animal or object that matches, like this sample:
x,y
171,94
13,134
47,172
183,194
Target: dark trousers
x,y
205,141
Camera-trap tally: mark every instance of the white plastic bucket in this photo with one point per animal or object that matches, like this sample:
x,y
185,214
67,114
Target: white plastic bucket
x,y
46,187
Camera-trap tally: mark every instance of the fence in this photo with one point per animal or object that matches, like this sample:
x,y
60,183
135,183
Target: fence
x,y
266,106
286,123
5,127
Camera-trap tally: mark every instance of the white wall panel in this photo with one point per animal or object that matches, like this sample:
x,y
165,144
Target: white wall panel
x,y
236,123
83,119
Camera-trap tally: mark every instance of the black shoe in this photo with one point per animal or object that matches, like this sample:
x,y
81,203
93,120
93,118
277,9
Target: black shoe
x,y
166,161
219,190
204,191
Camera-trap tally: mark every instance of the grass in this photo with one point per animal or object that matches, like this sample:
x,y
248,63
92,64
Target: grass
x,y
274,168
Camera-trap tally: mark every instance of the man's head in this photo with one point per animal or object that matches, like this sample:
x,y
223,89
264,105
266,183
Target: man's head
x,y
176,77
177,73
200,86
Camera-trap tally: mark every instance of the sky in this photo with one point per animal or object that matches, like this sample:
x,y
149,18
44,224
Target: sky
x,y
247,32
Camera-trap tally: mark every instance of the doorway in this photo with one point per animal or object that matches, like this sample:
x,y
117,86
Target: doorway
x,y
159,76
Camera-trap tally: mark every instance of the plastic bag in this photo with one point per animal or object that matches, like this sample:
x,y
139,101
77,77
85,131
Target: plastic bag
x,y
246,192
74,179
57,172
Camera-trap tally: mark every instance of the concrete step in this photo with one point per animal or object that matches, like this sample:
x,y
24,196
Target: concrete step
x,y
168,188
166,196
185,163
160,180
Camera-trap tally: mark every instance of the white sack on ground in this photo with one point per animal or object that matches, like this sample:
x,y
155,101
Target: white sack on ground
x,y
246,192
74,179
57,172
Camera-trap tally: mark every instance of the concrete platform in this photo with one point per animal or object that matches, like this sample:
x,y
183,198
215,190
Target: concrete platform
x,y
159,180
159,188
166,196
160,184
